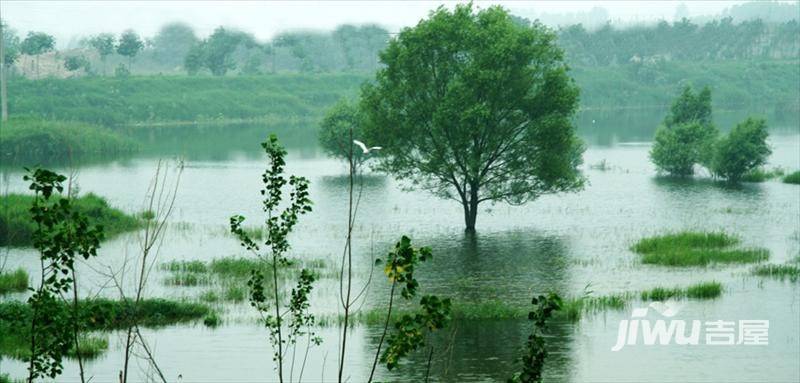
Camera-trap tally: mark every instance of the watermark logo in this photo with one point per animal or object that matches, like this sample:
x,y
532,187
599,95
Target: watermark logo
x,y
682,332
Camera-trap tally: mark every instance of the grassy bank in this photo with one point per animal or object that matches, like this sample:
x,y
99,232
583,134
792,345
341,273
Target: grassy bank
x,y
17,228
160,99
97,315
33,140
155,99
735,84
13,282
695,249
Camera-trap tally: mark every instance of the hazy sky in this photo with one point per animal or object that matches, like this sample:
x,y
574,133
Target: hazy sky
x,y
69,19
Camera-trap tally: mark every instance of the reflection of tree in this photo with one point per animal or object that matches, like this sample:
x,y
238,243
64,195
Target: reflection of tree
x,y
483,350
509,266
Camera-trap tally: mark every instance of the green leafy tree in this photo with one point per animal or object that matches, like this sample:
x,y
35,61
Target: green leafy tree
x,y
474,107
279,223
334,131
73,63
690,107
130,44
410,330
172,43
219,49
535,352
62,236
687,136
678,148
193,61
744,149
104,45
11,44
36,44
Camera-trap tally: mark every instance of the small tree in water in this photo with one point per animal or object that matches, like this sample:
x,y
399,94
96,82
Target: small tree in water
x,y
687,136
278,225
744,149
535,352
62,236
474,107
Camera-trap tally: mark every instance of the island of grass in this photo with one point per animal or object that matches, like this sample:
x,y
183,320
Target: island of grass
x,y
792,178
705,290
689,248
17,227
99,315
32,140
13,282
788,271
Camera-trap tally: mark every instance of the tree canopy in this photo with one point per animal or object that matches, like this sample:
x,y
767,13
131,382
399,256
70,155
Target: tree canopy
x,y
742,150
687,136
335,130
37,43
130,44
475,107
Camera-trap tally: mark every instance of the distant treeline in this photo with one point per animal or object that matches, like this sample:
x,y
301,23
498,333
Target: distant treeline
x,y
681,41
176,48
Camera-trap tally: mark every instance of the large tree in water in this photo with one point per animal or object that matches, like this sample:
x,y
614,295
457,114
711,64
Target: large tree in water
x,y
474,106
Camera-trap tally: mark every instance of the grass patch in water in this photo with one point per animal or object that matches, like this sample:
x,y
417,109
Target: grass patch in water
x,y
14,282
17,227
788,271
762,175
212,319
792,178
684,240
702,257
184,266
704,290
96,315
187,279
695,249
572,310
89,347
235,293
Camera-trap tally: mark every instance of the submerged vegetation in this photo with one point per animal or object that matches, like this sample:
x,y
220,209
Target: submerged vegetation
x,y
96,315
26,140
705,290
227,277
790,271
17,227
695,249
13,282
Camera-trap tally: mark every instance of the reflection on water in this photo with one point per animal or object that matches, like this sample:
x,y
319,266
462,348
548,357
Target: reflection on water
x,y
562,243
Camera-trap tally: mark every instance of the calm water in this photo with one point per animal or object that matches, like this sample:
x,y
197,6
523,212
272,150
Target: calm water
x,y
565,242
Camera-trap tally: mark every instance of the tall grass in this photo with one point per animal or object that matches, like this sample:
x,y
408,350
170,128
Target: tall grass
x,y
31,140
17,227
792,178
761,175
782,272
704,290
97,315
695,249
16,281
683,240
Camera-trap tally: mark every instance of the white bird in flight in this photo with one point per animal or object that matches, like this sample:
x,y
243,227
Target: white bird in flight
x,y
364,147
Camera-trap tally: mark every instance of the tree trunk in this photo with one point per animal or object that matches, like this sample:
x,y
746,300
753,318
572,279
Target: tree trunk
x,y
471,209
